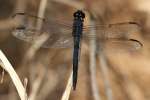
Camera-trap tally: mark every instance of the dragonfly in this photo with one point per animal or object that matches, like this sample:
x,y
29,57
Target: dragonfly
x,y
64,35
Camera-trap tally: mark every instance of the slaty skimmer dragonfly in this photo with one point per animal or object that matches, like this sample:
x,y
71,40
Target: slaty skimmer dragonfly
x,y
62,35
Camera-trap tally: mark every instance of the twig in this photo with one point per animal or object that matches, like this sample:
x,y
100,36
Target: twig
x,y
6,65
67,91
40,40
95,90
41,12
105,74
36,45
2,78
25,86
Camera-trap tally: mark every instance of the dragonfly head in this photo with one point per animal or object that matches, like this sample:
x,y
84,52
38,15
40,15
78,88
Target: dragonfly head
x,y
79,14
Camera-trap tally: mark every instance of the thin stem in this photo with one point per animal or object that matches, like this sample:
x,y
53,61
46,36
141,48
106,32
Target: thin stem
x,y
37,44
94,85
105,74
6,65
67,91
41,13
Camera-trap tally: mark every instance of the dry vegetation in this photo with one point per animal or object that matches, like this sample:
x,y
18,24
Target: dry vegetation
x,y
111,75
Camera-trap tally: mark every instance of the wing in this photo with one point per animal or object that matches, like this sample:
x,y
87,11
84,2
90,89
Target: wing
x,y
60,34
114,35
117,30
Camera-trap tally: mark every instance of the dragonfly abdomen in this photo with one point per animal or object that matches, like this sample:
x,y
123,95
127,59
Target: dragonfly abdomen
x,y
76,53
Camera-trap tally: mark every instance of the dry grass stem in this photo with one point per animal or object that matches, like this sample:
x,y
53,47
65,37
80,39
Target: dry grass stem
x,y
41,13
94,86
2,78
67,91
36,84
36,45
40,40
6,65
25,86
105,74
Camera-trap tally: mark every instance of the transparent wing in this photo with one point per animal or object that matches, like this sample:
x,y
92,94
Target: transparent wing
x,y
115,36
60,35
117,30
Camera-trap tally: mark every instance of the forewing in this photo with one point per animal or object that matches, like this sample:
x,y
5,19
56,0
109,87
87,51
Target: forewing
x,y
60,34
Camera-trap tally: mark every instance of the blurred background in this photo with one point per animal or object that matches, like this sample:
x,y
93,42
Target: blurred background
x,y
48,70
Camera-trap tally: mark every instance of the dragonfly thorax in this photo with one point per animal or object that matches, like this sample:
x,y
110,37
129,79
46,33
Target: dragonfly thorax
x,y
78,23
77,28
